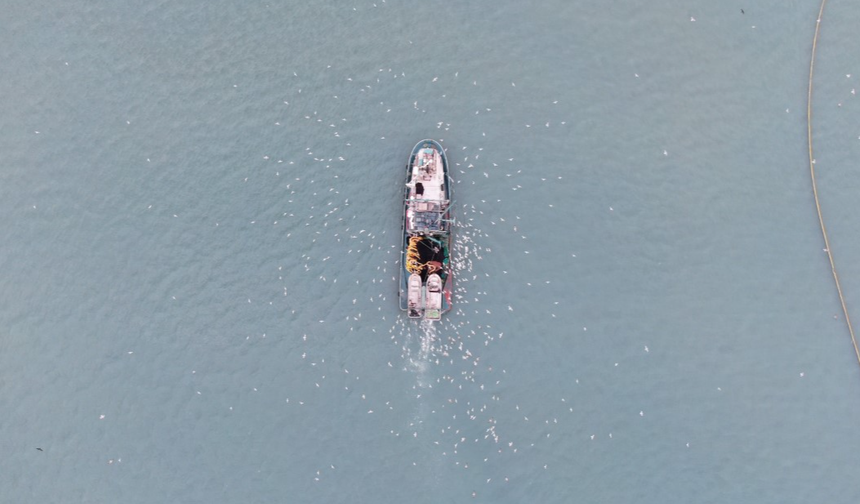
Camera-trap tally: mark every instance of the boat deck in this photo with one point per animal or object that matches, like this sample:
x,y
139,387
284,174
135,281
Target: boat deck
x,y
427,199
426,282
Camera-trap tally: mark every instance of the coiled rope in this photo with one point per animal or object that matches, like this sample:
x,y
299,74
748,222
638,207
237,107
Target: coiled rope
x,y
413,258
815,187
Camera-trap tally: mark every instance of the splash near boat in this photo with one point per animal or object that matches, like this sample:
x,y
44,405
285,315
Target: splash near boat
x,y
426,281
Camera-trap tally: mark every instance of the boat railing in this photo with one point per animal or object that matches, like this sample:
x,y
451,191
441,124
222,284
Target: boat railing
x,y
442,205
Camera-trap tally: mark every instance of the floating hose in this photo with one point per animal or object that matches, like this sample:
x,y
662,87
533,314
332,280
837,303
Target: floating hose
x,y
815,187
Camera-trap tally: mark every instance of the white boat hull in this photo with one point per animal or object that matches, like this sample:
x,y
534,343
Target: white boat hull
x,y
416,298
433,300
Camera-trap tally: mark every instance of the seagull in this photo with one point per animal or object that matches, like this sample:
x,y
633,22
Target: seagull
x,y
41,450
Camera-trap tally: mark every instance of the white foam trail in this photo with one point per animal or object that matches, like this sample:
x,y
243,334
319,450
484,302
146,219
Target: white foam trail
x,y
428,337
420,361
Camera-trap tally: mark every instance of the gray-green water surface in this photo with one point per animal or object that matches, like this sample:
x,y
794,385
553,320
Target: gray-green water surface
x,y
199,232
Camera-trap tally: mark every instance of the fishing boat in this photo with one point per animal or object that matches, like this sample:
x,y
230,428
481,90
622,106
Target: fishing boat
x,y
426,279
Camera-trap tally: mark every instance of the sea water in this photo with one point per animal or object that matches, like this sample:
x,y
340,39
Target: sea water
x,y
200,208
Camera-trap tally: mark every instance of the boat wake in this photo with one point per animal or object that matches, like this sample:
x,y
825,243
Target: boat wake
x,y
428,337
419,360
457,412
